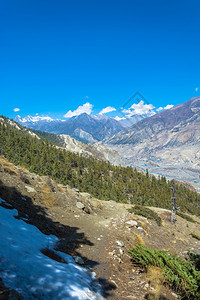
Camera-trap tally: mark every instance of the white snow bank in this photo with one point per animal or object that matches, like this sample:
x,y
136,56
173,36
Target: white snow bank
x,y
35,276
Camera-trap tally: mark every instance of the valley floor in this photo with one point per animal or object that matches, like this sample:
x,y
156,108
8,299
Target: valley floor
x,y
177,163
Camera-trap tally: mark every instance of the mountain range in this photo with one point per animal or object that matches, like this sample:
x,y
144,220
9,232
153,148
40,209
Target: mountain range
x,y
167,143
84,127
180,118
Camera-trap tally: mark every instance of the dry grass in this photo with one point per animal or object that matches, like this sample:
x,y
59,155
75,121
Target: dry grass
x,y
139,240
7,167
47,196
155,279
142,224
62,188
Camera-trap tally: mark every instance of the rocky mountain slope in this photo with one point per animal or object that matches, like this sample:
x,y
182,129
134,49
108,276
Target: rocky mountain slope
x,y
99,232
84,127
97,150
175,121
167,143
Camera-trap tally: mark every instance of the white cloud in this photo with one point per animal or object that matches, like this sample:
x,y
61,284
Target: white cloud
x,y
196,90
159,108
16,109
85,108
141,108
126,111
168,106
119,119
107,110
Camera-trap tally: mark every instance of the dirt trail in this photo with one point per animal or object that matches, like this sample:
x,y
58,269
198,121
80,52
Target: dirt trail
x,y
100,232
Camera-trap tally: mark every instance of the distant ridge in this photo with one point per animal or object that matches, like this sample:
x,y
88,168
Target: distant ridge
x,y
176,118
167,143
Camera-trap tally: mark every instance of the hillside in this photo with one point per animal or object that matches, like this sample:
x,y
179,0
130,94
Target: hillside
x,y
100,232
97,150
100,178
167,143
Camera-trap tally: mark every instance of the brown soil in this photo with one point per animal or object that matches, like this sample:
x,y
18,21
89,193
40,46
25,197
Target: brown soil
x,y
98,232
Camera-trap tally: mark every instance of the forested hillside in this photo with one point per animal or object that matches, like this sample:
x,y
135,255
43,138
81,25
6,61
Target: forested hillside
x,y
53,138
100,178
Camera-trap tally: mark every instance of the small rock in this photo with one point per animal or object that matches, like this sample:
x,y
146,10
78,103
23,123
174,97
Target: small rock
x,y
140,228
121,252
80,205
120,243
173,294
132,223
30,189
78,260
114,283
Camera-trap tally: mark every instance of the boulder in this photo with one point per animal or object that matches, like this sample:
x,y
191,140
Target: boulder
x,y
80,205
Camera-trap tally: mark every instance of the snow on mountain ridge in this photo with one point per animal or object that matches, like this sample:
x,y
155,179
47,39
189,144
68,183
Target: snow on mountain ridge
x,y
32,119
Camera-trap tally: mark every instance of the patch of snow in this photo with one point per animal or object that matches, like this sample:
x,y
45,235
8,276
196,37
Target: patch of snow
x,y
100,117
25,268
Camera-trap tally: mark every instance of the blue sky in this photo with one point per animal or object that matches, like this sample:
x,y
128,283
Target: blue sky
x,y
58,55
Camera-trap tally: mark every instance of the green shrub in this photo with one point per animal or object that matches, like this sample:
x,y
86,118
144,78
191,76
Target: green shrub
x,y
178,273
195,236
146,212
195,258
186,217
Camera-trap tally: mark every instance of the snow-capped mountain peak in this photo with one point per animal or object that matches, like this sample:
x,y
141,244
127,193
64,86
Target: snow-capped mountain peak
x,y
32,119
